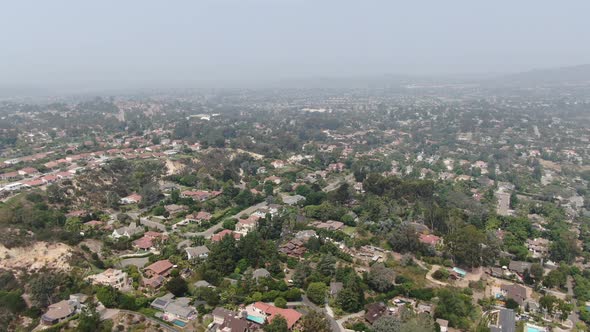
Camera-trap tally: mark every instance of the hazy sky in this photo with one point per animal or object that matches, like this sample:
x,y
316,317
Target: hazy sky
x,y
147,43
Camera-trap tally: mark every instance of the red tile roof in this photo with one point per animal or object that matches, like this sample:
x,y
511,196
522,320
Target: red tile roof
x,y
292,316
160,267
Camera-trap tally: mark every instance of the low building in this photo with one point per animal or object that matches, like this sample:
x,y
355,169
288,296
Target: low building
x,y
244,226
127,231
175,308
199,252
159,268
219,236
110,277
175,208
294,248
131,199
62,310
330,225
503,320
226,320
260,313
430,240
292,200
519,267
260,273
514,292
374,311
199,217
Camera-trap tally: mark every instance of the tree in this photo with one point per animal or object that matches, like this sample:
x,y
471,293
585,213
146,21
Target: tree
x,y
280,302
316,292
387,324
342,194
327,265
511,304
43,289
278,324
404,238
536,272
108,296
454,306
348,300
315,321
381,278
177,286
513,200
564,249
89,319
465,245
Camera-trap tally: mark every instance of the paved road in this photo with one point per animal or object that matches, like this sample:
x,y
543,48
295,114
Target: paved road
x,y
209,232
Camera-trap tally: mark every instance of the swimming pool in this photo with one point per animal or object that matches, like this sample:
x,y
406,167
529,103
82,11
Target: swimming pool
x,y
179,323
532,328
255,319
461,272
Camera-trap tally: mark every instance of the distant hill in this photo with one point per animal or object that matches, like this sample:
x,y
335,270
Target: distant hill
x,y
576,75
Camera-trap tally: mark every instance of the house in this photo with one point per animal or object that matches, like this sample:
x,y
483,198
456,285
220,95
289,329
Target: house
x,y
278,164
202,283
217,237
306,234
60,311
515,292
519,267
330,225
110,277
374,311
28,171
538,247
10,176
336,167
197,252
127,231
199,217
260,312
430,240
244,226
274,179
144,243
228,321
260,273
161,268
503,320
199,195
93,223
292,200
154,282
175,208
131,199
294,248
76,213
174,308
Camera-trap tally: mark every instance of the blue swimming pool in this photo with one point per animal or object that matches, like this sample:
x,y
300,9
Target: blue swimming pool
x,y
532,328
460,271
255,319
179,323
